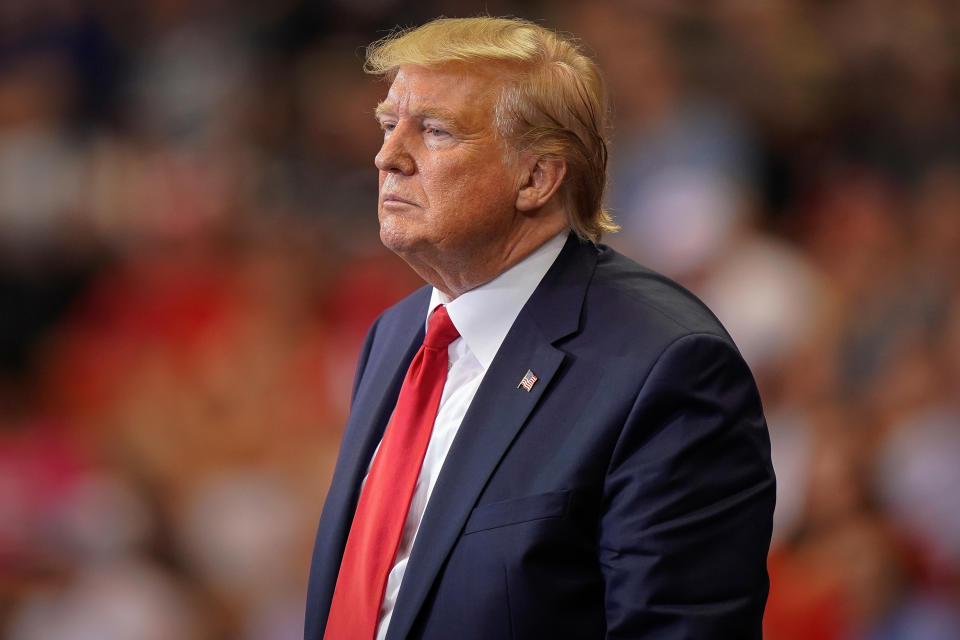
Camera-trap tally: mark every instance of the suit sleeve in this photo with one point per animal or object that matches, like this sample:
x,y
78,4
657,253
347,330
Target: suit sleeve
x,y
327,544
688,501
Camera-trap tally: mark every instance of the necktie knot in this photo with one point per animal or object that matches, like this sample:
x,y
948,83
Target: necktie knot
x,y
440,330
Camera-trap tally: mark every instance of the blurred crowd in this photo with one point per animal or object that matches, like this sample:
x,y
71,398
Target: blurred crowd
x,y
189,262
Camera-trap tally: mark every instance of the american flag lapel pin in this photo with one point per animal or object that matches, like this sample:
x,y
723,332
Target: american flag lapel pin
x,y
529,379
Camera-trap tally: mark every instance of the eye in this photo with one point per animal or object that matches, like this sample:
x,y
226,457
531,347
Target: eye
x,y
388,127
435,132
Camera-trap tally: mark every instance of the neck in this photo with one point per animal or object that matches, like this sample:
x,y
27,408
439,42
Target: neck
x,y
457,276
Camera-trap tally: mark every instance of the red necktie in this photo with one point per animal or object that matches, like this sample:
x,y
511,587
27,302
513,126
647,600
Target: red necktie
x,y
385,499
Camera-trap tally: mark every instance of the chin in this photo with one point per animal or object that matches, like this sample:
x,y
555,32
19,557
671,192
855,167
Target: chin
x,y
396,237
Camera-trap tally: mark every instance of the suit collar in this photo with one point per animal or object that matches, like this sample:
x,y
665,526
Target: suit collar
x,y
556,304
485,314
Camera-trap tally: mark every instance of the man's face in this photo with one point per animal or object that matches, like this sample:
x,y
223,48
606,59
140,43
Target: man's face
x,y
447,186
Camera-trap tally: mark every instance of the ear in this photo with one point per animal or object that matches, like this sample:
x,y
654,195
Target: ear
x,y
542,182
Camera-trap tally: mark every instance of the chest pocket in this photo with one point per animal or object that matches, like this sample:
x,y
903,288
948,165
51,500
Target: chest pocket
x,y
517,510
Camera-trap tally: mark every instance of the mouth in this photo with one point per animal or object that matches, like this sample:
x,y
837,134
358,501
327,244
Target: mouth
x,y
394,199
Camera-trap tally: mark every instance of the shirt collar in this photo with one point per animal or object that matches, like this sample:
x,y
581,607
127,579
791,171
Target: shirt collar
x,y
484,315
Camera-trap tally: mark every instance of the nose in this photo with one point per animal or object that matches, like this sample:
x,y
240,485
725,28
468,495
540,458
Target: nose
x,y
394,154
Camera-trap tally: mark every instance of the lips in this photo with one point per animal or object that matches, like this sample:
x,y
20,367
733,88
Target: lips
x,y
393,197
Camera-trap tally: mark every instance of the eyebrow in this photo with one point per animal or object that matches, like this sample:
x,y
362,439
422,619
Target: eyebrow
x,y
436,113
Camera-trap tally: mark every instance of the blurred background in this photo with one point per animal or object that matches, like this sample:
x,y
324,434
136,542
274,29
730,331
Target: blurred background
x,y
189,261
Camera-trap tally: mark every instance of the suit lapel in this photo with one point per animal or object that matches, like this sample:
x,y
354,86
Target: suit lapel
x,y
496,415
395,344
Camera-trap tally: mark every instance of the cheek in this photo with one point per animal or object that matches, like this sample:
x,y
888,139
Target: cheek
x,y
461,192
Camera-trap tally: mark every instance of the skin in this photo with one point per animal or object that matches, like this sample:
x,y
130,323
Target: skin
x,y
455,203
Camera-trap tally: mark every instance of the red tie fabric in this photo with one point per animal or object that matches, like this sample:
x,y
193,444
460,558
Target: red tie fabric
x,y
385,499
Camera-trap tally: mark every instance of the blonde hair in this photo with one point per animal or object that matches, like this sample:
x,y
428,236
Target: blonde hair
x,y
554,104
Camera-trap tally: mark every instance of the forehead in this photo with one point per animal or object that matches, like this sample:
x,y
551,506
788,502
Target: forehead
x,y
458,91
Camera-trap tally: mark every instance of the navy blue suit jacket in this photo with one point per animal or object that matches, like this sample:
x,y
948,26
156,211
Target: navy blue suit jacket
x,y
629,494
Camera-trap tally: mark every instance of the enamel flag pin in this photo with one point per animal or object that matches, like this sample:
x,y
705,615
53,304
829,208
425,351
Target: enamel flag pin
x,y
528,381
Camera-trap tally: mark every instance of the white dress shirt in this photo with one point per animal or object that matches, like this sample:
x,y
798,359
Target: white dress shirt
x,y
483,316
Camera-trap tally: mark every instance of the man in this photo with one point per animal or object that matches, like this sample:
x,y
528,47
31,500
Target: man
x,y
550,441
